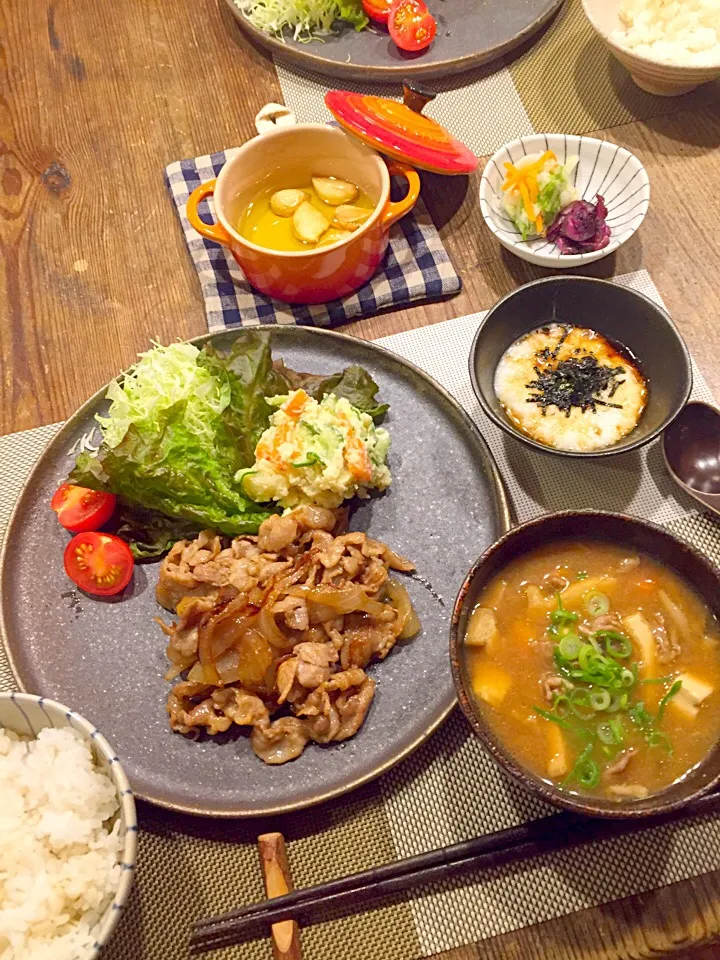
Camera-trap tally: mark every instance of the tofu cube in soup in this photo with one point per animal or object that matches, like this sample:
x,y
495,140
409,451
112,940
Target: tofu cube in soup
x,y
490,683
482,629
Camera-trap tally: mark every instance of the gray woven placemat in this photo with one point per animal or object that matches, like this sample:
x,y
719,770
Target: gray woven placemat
x,y
449,790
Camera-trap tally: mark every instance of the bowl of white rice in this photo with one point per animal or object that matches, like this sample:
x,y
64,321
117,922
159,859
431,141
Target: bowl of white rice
x,y
670,47
68,833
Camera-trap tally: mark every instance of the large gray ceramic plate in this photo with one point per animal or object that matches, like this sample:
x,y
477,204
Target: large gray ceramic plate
x,y
470,32
106,659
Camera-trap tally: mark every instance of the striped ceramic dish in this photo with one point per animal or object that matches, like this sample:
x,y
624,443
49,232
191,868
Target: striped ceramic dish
x,y
26,715
603,168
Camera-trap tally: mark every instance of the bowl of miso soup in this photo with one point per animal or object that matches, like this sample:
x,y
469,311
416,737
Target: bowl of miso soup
x,y
585,648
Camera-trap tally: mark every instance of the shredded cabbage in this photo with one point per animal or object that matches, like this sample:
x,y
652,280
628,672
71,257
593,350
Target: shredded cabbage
x,y
305,19
163,377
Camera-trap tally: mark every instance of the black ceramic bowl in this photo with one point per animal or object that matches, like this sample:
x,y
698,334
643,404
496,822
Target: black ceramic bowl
x,y
621,314
637,535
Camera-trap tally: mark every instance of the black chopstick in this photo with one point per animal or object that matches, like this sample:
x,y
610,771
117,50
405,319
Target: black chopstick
x,y
352,893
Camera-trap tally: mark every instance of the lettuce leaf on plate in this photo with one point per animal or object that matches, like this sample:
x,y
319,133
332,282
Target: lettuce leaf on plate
x,y
148,533
354,384
180,424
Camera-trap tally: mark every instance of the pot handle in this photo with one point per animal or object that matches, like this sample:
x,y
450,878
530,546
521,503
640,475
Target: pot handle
x,y
212,231
393,211
272,116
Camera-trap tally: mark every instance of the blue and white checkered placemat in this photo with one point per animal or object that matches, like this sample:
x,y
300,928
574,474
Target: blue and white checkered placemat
x,y
416,267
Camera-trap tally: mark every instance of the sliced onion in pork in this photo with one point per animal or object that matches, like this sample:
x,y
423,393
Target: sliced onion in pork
x,y
267,625
221,632
228,667
330,602
197,673
397,562
408,624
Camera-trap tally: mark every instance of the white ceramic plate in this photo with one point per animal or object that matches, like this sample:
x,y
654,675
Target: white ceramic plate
x,y
26,715
603,168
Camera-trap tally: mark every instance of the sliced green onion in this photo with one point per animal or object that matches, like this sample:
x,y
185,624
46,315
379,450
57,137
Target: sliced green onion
x,y
560,721
674,689
617,645
640,717
584,755
569,646
562,667
560,615
605,734
579,700
627,677
656,738
616,725
597,604
585,654
618,701
586,771
600,700
611,732
561,706
588,775
582,575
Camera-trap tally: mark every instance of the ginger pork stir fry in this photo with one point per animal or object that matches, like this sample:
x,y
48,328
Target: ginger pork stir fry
x,y
281,623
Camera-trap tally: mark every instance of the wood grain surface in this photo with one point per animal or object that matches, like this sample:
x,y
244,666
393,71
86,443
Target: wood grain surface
x,y
96,98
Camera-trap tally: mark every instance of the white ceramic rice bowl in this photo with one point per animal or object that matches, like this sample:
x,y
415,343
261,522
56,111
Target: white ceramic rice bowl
x,y
603,167
26,715
653,76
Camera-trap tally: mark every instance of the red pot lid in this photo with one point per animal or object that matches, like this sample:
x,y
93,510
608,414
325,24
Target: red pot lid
x,y
401,130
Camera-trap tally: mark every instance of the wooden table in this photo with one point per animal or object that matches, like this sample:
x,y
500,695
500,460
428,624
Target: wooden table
x,y
95,99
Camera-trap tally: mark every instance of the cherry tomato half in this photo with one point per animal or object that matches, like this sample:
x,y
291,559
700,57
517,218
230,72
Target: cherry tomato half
x,y
79,509
411,25
99,563
377,10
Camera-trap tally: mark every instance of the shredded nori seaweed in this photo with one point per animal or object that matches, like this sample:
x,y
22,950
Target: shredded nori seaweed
x,y
575,382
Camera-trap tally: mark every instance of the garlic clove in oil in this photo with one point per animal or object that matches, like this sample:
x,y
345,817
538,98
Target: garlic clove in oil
x,y
284,203
333,191
308,223
348,217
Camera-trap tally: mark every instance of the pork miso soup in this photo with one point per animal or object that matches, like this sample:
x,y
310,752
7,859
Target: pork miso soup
x,y
597,668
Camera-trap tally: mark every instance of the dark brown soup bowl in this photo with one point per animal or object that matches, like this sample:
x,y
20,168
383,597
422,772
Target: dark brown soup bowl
x,y
637,535
618,313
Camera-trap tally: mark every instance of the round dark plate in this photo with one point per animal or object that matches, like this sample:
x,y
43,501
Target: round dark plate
x,y
106,659
470,32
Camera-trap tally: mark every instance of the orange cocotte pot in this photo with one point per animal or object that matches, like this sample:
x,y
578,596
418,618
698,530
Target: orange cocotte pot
x,y
285,153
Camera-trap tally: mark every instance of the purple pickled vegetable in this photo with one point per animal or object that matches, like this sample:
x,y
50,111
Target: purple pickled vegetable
x,y
580,227
579,221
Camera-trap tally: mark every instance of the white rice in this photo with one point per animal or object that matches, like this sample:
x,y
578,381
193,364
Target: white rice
x,y
58,862
678,32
